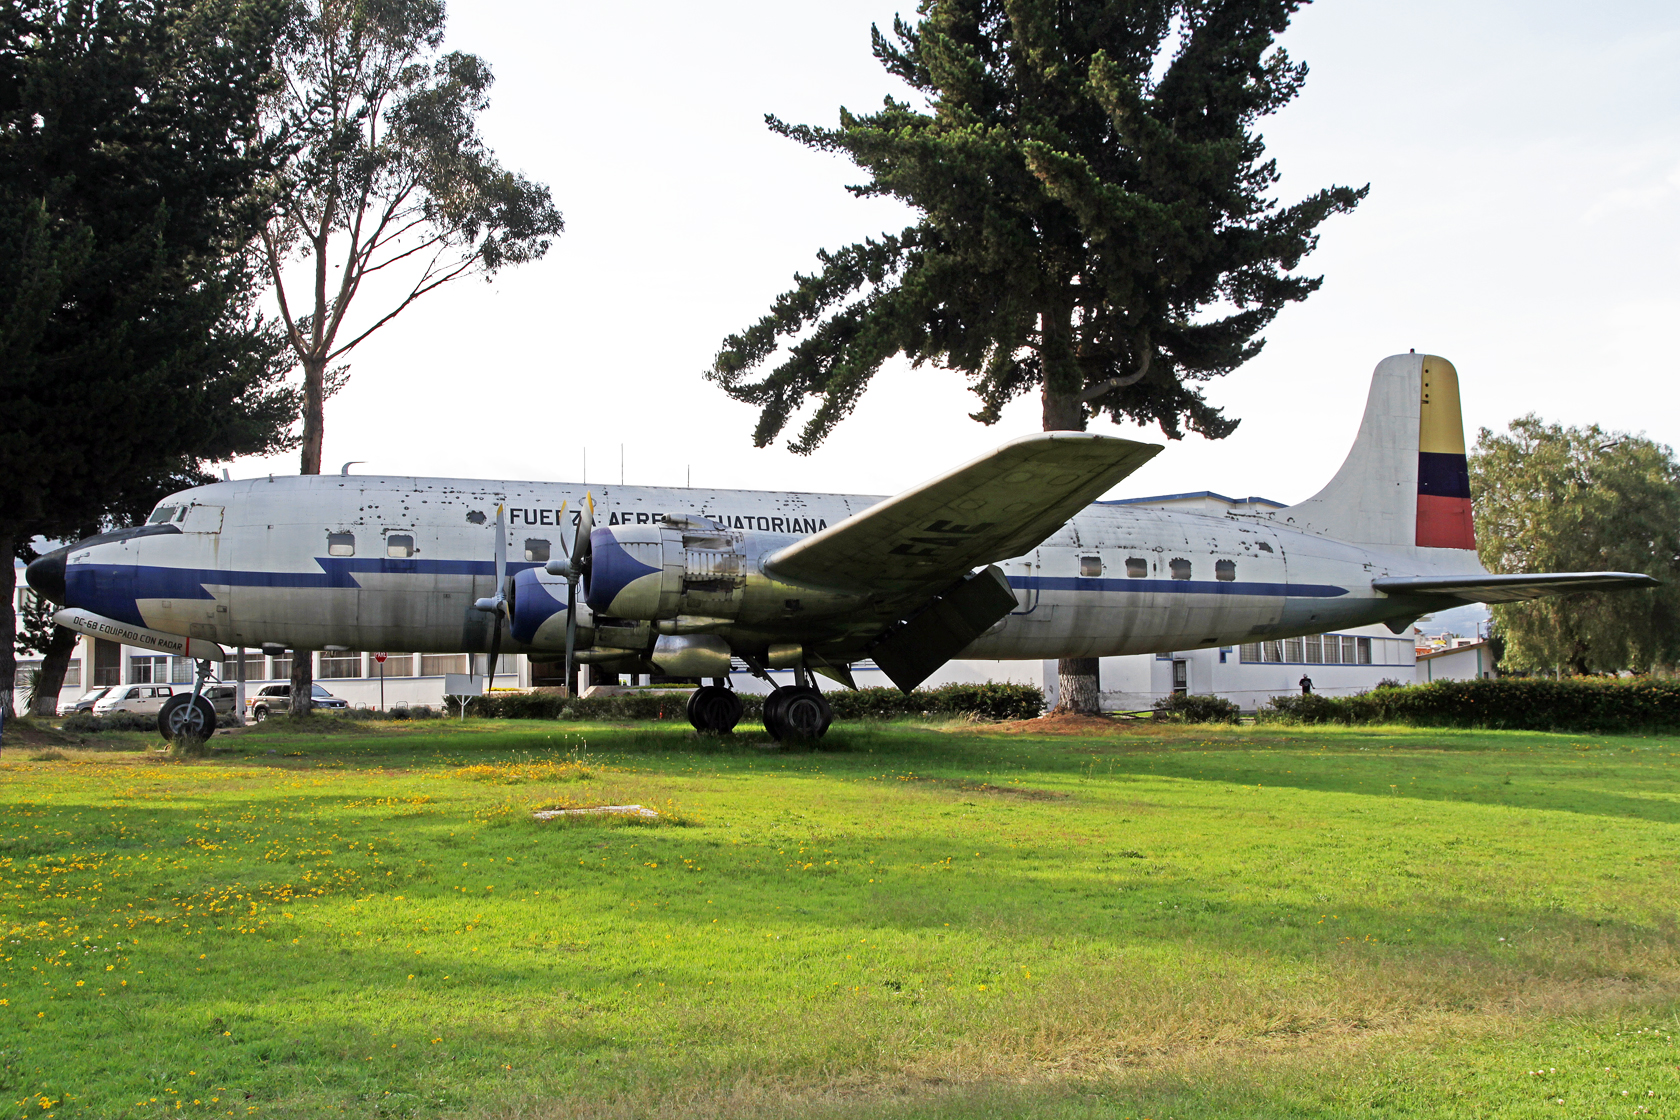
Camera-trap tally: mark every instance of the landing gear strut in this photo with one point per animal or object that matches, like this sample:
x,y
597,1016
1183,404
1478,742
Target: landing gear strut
x,y
714,708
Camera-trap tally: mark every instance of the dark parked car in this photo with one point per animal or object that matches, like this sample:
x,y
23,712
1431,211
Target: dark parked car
x,y
86,701
277,698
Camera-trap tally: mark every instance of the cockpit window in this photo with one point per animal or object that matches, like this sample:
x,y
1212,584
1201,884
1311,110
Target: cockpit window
x,y
163,514
341,544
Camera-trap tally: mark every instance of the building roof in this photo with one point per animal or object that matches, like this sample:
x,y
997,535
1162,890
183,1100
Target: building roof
x,y
1425,656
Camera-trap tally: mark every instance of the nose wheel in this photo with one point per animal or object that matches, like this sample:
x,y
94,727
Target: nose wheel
x,y
187,717
796,713
714,708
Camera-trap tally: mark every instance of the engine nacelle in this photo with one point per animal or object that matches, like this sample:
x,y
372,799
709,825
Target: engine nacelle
x,y
537,612
662,572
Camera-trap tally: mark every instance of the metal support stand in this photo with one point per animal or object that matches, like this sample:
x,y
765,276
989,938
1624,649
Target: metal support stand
x,y
239,690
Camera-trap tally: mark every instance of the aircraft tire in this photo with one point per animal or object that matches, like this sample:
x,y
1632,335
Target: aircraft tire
x,y
796,714
711,708
180,718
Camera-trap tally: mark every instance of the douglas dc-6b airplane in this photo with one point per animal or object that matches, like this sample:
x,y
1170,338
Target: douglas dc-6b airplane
x,y
1004,557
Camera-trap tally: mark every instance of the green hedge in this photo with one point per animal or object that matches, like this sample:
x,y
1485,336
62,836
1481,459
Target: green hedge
x,y
990,701
1511,704
1179,707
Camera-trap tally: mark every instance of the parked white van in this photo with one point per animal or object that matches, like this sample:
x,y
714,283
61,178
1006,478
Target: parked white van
x,y
146,699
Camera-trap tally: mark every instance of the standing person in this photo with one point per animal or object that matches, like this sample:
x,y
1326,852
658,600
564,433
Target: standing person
x,y
1306,685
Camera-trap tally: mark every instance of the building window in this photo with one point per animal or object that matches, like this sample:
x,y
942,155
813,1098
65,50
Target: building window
x,y
1332,649
536,551
1315,649
1090,567
1251,653
340,665
399,545
280,669
1180,568
1136,567
147,670
437,664
1273,651
341,544
1364,647
73,673
396,665
1350,651
181,670
1225,570
1292,651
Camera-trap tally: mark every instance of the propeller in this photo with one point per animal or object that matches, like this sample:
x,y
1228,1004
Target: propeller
x,y
497,603
575,567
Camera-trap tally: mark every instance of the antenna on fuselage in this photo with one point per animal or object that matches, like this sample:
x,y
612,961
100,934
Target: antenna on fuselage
x,y
345,469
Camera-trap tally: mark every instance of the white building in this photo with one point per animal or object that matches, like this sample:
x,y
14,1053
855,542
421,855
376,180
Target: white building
x,y
1465,660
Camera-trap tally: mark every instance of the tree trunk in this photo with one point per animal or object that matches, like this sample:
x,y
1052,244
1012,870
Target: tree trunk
x,y
1064,412
314,413
314,421
1077,681
55,659
303,683
8,625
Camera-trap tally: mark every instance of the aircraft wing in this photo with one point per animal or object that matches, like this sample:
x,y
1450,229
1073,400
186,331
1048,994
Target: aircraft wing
x,y
1512,588
1000,505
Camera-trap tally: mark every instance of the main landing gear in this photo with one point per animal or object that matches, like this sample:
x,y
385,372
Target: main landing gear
x,y
800,712
714,708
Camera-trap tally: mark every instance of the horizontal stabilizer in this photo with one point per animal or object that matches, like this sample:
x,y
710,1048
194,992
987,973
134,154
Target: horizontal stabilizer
x,y
1513,588
1000,505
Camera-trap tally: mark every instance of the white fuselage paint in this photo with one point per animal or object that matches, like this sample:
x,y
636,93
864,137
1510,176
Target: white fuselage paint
x,y
253,565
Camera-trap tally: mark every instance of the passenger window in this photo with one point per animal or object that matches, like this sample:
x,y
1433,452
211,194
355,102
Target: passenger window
x,y
1180,568
1090,566
1225,570
536,551
400,545
341,544
162,514
1136,567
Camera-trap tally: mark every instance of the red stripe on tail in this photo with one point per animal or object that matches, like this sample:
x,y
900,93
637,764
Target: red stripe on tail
x,y
1444,522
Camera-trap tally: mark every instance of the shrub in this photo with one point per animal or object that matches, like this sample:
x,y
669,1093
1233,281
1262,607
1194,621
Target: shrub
x,y
1510,704
87,723
989,701
1185,708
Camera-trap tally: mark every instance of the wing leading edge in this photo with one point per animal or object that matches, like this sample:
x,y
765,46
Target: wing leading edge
x,y
1511,588
1002,504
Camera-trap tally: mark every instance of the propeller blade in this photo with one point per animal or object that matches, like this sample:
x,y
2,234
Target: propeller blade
x,y
586,526
498,601
571,636
495,653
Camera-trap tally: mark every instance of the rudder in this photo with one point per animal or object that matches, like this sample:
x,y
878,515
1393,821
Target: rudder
x,y
1406,482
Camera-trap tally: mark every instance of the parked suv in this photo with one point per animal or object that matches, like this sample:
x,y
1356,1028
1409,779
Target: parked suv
x,y
147,699
85,702
277,698
223,696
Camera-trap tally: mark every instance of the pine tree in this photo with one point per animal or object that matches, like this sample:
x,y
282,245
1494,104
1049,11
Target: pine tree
x,y
1096,221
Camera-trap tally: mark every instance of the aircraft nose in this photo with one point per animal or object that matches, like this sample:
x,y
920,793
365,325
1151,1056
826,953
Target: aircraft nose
x,y
46,575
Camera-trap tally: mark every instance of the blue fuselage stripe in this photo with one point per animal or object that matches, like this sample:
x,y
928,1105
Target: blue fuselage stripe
x,y
1174,586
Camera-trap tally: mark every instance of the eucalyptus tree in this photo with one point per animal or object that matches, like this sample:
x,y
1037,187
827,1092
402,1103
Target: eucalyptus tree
x,y
1556,499
130,350
1096,221
386,183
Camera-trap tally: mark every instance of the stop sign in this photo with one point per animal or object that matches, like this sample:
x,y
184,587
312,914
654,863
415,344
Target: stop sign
x,y
379,657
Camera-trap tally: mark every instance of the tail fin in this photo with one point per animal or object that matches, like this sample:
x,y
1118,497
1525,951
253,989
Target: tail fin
x,y
1406,482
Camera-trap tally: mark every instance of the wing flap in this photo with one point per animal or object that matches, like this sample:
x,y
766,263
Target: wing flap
x,y
1000,505
1511,588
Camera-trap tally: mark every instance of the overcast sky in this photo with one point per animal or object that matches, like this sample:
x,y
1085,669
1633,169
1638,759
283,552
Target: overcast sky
x,y
1523,221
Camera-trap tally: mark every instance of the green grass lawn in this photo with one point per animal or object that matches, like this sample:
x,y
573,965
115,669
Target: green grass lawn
x,y
915,921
